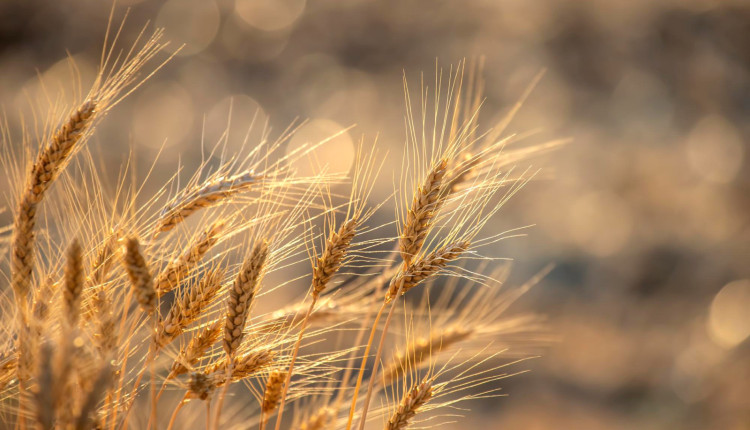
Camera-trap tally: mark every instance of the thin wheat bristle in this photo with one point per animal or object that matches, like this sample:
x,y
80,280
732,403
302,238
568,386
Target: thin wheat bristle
x,y
423,349
272,395
45,169
241,296
196,349
419,217
178,270
73,284
243,366
208,194
410,404
188,308
330,261
319,420
424,268
140,277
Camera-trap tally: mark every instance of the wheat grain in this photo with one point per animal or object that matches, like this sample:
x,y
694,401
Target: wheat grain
x,y
241,296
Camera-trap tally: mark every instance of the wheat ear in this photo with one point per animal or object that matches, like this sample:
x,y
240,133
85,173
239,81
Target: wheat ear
x,y
106,335
419,218
140,277
188,308
45,169
328,264
240,367
178,270
423,349
330,261
241,297
410,404
424,268
205,195
272,395
73,282
196,349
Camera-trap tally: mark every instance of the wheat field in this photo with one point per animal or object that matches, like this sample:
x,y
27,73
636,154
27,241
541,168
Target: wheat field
x,y
128,310
208,208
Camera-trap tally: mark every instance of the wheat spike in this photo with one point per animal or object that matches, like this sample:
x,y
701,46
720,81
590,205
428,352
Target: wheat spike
x,y
45,169
272,395
106,334
195,349
207,194
179,269
139,275
241,296
319,420
243,366
419,218
188,308
424,268
45,399
423,349
410,404
330,261
73,284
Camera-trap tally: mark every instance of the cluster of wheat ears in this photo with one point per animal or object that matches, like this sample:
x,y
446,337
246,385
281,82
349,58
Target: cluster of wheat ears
x,y
142,311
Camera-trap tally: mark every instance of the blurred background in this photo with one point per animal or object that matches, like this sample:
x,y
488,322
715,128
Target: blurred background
x,y
645,214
